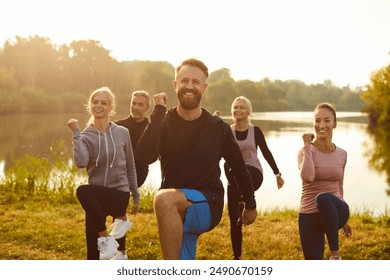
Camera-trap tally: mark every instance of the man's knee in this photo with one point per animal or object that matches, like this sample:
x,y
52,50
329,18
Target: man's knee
x,y
161,200
170,199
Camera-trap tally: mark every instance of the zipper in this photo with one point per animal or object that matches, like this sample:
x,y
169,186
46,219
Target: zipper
x,y
108,160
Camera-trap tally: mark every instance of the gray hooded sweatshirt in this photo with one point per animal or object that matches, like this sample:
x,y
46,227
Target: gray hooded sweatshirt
x,y
108,158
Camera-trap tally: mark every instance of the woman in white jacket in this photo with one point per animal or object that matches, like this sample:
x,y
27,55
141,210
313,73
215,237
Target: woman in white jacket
x,y
105,150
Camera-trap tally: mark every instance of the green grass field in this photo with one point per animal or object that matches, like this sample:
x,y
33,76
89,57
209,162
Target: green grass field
x,y
42,231
41,219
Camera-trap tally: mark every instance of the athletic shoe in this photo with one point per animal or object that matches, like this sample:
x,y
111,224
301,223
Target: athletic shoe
x,y
335,258
120,256
107,246
120,228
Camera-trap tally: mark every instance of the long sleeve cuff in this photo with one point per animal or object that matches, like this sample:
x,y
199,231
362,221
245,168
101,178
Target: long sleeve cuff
x,y
250,206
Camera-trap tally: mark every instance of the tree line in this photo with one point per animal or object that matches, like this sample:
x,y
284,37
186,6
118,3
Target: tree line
x,y
37,76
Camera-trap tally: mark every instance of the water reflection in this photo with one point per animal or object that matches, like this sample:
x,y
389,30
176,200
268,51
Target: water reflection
x,y
379,153
365,188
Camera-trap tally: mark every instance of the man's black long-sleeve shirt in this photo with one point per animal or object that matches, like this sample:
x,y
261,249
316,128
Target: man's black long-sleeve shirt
x,y
190,152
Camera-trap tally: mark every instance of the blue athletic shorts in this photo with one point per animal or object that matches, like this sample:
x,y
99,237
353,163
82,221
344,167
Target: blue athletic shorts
x,y
197,221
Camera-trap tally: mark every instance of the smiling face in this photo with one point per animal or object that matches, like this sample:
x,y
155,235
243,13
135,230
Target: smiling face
x,y
240,110
324,123
100,105
138,107
190,85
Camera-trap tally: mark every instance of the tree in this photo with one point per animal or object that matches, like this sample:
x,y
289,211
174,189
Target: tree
x,y
88,65
8,81
221,91
377,100
377,97
36,76
34,61
152,76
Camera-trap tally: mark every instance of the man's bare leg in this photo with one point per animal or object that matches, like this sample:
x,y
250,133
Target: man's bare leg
x,y
170,207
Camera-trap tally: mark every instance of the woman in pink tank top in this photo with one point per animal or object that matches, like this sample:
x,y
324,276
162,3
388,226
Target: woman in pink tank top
x,y
248,138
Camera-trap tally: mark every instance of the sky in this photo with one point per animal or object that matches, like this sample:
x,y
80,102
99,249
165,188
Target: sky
x,y
308,40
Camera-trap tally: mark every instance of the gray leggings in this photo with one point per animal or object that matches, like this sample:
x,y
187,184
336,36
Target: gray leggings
x,y
333,214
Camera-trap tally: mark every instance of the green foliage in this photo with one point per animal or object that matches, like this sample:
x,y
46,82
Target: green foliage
x,y
34,60
377,105
222,91
52,179
27,178
64,175
378,155
35,178
37,76
377,98
8,81
147,193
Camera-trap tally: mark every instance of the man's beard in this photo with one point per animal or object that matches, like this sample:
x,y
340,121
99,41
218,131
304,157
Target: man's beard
x,y
189,103
136,115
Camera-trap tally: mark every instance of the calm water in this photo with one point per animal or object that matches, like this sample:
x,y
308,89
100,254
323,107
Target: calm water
x,y
364,188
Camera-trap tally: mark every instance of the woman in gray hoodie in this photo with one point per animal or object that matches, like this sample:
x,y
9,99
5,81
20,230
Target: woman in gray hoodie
x,y
105,150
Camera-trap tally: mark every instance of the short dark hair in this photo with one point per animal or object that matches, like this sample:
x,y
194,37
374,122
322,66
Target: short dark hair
x,y
193,62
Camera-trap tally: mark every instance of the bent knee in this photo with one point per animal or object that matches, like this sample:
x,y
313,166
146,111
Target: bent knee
x,y
170,199
160,199
82,190
321,198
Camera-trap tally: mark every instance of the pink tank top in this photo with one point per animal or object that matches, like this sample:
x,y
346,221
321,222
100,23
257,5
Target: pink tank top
x,y
248,147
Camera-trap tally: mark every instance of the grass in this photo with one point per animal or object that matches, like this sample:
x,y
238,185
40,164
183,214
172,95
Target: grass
x,y
41,219
43,231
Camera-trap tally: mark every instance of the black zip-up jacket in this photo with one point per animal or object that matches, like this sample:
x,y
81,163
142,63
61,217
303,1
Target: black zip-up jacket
x,y
190,152
136,129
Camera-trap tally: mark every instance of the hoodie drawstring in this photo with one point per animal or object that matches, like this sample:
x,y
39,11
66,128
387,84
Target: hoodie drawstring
x,y
97,158
100,146
113,144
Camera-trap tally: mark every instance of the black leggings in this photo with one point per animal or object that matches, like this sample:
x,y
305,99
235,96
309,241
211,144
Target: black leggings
x,y
98,202
236,206
333,214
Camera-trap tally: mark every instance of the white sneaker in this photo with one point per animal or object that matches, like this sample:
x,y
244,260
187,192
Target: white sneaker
x,y
120,228
120,256
107,247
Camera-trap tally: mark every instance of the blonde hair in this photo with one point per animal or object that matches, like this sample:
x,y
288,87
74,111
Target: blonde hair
x,y
248,104
111,99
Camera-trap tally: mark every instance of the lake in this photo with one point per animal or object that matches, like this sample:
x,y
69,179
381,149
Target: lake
x,y
364,188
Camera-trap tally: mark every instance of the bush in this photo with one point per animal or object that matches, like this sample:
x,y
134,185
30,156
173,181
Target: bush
x,y
34,178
